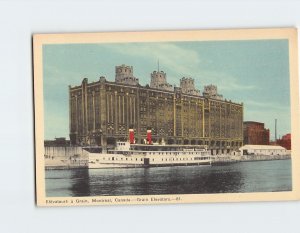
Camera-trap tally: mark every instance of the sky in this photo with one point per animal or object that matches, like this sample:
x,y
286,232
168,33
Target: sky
x,y
255,73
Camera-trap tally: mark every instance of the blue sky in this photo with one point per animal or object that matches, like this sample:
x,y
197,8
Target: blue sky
x,y
253,72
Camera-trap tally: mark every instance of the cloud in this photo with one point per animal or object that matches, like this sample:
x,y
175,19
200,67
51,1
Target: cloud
x,y
181,62
268,106
224,81
54,75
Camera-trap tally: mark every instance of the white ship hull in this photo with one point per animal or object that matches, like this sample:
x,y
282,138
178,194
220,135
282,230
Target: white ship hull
x,y
129,161
126,155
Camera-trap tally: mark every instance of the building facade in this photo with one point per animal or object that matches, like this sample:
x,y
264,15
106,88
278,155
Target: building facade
x,y
102,112
255,133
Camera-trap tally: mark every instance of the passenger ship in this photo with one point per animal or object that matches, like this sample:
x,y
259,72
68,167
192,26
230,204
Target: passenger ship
x,y
128,154
139,155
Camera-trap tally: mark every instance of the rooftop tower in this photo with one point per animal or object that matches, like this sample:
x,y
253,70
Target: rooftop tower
x,y
211,91
124,74
159,80
188,86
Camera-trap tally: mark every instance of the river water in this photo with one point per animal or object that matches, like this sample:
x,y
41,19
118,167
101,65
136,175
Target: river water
x,y
256,176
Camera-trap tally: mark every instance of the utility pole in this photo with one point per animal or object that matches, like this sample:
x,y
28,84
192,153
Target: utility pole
x,y
275,130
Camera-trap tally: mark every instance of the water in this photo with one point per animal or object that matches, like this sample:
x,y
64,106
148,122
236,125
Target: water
x,y
258,176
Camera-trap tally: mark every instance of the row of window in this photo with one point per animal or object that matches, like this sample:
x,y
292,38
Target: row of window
x,y
113,158
268,150
184,159
167,159
174,153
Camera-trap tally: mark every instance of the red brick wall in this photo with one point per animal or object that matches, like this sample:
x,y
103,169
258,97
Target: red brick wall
x,y
285,141
256,134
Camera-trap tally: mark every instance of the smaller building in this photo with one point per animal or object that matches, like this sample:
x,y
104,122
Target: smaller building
x,y
263,150
61,141
285,141
255,133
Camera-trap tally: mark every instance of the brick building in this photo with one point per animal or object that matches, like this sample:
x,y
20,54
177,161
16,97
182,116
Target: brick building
x,y
255,133
285,141
102,112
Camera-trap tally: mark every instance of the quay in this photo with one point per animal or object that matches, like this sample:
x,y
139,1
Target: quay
x,y
72,157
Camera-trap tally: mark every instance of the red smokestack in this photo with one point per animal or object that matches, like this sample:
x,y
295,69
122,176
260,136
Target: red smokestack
x,y
149,136
131,136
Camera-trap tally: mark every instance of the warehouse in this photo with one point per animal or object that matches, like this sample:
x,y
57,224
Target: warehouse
x,y
263,150
102,112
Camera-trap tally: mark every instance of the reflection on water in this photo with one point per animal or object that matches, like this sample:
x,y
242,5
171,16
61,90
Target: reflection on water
x,y
259,176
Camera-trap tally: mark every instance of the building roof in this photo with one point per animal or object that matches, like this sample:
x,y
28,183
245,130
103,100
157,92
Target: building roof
x,y
263,147
253,122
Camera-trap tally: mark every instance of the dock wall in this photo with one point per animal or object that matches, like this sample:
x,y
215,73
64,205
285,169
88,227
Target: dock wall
x,y
65,157
264,157
225,159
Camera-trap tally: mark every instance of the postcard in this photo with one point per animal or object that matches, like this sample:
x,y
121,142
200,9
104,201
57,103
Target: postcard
x,y
166,117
